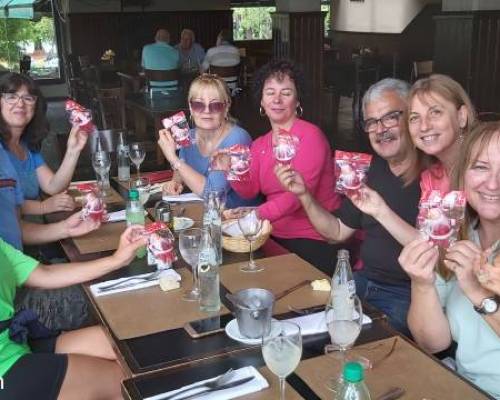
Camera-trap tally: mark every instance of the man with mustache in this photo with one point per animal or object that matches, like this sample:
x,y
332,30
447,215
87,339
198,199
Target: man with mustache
x,y
382,282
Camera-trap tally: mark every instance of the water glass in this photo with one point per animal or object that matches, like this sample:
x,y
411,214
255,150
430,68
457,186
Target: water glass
x,y
102,163
282,350
137,155
189,247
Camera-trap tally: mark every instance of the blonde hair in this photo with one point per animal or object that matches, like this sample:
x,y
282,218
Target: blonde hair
x,y
211,82
448,89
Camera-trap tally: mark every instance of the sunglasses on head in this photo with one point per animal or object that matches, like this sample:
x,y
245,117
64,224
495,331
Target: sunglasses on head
x,y
213,107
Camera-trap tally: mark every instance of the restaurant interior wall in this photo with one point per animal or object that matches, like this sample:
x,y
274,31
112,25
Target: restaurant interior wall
x,y
93,6
470,5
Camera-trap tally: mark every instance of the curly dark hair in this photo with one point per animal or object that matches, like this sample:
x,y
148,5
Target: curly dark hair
x,y
38,127
278,68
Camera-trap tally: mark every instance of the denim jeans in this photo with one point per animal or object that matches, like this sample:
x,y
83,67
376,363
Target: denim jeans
x,y
392,300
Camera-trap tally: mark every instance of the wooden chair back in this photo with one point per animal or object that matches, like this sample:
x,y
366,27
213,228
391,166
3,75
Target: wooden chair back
x,y
161,75
225,72
111,106
422,69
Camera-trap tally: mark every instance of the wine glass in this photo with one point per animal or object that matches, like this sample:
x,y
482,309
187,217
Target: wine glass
x,y
143,186
189,246
282,350
344,318
250,226
137,155
284,148
102,163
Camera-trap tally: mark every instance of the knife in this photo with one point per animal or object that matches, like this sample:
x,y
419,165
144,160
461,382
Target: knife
x,y
229,385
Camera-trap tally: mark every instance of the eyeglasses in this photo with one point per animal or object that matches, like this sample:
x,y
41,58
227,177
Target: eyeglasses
x,y
13,98
389,120
213,107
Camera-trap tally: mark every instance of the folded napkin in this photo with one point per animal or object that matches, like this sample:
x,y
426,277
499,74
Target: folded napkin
x,y
183,197
316,323
134,285
231,228
158,176
255,385
117,216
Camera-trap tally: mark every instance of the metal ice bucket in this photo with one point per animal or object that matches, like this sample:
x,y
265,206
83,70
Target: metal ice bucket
x,y
254,312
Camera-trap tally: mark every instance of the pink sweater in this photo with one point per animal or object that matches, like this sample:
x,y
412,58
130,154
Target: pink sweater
x,y
314,162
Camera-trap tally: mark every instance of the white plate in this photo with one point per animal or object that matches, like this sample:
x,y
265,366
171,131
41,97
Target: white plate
x,y
181,223
233,332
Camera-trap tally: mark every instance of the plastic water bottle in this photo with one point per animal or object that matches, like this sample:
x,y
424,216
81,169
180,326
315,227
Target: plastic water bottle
x,y
343,285
208,275
354,387
135,215
122,151
212,220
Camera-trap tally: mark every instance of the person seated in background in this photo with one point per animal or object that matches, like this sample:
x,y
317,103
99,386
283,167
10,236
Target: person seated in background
x,y
23,127
214,129
279,87
224,54
77,364
162,57
191,53
381,282
447,299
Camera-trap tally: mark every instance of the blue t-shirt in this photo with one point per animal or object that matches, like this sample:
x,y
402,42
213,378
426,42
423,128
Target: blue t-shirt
x,y
11,197
216,180
26,171
192,59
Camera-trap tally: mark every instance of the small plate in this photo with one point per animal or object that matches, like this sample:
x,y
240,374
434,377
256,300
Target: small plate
x,y
181,223
233,332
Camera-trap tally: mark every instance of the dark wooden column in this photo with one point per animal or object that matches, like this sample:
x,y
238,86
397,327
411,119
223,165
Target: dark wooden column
x,y
299,36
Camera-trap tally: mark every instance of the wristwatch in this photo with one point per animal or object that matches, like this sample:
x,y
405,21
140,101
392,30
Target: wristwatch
x,y
488,306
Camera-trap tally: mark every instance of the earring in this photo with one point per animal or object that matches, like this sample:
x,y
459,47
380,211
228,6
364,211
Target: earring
x,y
191,120
262,112
299,111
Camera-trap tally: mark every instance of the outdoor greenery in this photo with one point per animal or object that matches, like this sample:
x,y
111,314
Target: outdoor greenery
x,y
16,35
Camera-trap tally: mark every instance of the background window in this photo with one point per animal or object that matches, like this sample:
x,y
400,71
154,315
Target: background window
x,y
252,23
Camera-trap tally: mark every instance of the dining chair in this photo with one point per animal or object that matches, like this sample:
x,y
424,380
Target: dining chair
x,y
111,106
421,69
230,74
165,76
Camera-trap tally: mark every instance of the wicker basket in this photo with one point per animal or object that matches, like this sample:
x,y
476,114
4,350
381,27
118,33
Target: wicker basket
x,y
238,244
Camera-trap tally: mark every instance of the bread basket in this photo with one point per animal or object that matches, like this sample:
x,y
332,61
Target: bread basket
x,y
238,244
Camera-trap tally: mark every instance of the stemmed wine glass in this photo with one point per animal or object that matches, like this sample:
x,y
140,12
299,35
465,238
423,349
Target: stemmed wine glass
x,y
137,155
102,163
189,246
143,186
250,226
282,350
344,318
284,148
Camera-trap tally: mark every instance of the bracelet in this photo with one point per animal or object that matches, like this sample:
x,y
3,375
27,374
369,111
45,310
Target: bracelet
x,y
176,165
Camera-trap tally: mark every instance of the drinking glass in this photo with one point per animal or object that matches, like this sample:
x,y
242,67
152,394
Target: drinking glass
x,y
250,226
284,148
102,163
143,186
282,350
344,318
137,155
189,246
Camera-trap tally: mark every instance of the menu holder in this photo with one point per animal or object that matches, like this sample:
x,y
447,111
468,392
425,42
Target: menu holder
x,y
407,366
146,311
280,273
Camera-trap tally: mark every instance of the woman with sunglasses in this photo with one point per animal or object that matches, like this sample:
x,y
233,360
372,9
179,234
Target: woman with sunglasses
x,y
278,86
448,300
23,127
214,129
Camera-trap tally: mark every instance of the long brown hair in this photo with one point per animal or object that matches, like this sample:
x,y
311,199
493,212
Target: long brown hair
x,y
448,89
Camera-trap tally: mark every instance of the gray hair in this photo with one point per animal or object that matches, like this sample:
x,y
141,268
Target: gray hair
x,y
375,91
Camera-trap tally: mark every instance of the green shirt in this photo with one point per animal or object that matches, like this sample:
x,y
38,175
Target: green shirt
x,y
15,268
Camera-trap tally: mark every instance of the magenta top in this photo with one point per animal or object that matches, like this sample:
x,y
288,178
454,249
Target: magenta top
x,y
313,160
435,178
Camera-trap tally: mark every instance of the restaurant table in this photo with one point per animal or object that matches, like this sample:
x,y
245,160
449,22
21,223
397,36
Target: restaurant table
x,y
154,108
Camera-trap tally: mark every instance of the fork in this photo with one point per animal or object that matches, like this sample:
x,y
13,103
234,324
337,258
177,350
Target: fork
x,y
214,383
306,311
150,277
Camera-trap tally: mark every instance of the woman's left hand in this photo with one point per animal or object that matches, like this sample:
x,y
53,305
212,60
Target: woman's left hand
x,y
167,144
487,274
461,258
76,140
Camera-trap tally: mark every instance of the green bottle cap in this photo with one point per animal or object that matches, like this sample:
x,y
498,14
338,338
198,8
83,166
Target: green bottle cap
x,y
353,372
133,194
